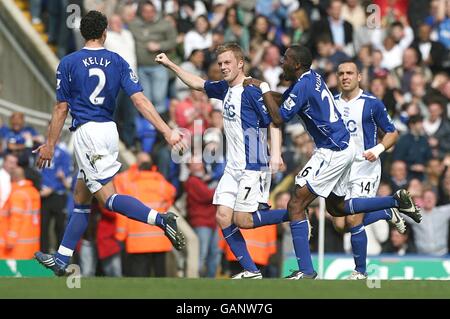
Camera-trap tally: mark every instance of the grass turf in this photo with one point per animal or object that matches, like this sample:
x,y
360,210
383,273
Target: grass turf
x,y
157,288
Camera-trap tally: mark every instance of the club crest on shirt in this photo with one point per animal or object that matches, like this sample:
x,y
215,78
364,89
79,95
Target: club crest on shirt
x,y
289,104
133,76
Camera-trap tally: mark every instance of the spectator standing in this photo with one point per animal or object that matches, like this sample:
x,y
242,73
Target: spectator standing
x,y
437,128
353,12
433,52
235,31
299,29
409,66
195,107
202,217
193,65
56,180
146,245
336,28
153,35
23,207
198,38
121,41
413,148
9,164
431,235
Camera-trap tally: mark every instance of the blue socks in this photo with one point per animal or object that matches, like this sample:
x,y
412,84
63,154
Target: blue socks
x,y
359,247
75,229
134,209
376,216
234,238
269,217
357,205
300,232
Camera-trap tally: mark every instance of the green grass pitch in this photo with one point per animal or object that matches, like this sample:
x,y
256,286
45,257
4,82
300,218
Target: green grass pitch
x,y
157,288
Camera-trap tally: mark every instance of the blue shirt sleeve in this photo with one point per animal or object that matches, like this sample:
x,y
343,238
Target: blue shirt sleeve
x,y
255,99
293,102
128,78
62,82
216,89
382,117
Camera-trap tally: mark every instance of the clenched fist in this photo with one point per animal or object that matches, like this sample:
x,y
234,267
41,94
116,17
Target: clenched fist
x,y
162,59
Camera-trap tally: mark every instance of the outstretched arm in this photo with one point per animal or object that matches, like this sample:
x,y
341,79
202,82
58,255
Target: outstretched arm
x,y
46,150
193,81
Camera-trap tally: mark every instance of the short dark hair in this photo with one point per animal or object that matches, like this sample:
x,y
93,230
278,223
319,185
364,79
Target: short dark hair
x,y
93,24
358,69
415,119
302,55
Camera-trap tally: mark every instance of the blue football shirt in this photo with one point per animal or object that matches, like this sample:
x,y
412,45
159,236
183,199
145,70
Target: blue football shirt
x,y
311,99
89,81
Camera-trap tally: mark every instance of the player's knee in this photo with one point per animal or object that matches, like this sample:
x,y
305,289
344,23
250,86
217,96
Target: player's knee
x,y
243,220
353,220
296,209
339,225
223,219
80,198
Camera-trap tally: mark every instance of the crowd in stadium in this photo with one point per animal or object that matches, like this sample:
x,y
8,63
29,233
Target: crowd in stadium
x,y
403,54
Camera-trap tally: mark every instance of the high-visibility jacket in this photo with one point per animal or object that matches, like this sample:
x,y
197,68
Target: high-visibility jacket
x,y
5,190
24,221
261,244
156,192
3,229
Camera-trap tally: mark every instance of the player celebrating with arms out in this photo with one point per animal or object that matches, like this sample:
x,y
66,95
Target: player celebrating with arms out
x,y
87,85
364,114
327,172
246,181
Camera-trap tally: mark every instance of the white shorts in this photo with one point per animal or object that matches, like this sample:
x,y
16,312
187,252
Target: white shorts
x,y
327,171
243,190
364,179
96,148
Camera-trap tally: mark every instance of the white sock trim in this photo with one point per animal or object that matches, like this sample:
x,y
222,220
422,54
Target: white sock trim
x,y
82,211
151,218
110,203
65,251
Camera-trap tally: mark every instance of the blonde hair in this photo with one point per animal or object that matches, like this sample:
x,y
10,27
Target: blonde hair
x,y
302,18
233,47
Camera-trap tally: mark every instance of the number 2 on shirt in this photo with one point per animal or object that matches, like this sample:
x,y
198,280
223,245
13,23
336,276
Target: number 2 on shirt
x,y
94,98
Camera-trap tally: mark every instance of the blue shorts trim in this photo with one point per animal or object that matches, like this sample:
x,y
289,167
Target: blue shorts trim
x,y
311,189
106,180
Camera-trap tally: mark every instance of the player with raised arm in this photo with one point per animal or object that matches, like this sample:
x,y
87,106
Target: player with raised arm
x,y
246,180
327,172
364,115
87,85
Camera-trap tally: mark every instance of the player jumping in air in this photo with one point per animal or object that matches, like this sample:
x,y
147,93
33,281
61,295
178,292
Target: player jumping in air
x,y
364,114
246,181
327,173
87,85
